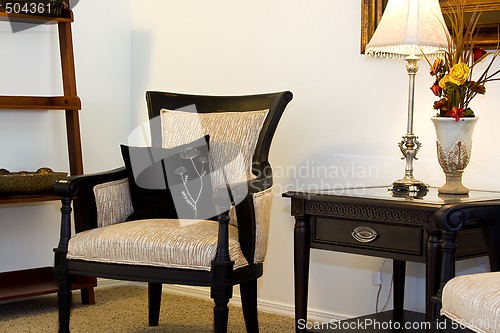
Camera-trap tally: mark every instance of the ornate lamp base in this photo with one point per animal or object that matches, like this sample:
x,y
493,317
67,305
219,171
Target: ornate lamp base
x,y
411,184
409,187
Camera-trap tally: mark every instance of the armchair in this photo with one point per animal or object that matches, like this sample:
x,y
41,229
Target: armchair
x,y
469,303
219,252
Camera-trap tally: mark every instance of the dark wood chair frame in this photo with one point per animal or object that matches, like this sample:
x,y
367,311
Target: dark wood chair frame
x,y
451,219
77,191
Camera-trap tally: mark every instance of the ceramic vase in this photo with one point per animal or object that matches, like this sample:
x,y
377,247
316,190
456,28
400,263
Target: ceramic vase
x,y
454,145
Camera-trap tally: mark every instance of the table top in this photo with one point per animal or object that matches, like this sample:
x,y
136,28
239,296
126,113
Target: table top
x,y
432,197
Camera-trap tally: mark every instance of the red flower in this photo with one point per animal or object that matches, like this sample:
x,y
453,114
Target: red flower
x,y
441,104
456,113
436,89
478,53
436,66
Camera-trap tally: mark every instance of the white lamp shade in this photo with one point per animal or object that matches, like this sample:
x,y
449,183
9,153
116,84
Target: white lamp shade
x,y
409,26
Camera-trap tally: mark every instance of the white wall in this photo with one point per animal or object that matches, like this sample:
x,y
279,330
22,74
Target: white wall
x,y
348,113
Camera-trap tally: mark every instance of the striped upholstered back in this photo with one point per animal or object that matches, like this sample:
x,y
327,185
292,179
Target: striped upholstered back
x,y
233,138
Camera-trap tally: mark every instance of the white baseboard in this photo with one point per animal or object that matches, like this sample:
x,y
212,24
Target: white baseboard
x,y
204,293
108,283
264,305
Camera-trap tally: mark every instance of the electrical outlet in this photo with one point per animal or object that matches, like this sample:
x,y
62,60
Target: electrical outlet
x,y
377,278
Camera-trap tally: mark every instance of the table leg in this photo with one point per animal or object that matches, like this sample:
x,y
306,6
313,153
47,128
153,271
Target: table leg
x,y
399,273
432,269
301,271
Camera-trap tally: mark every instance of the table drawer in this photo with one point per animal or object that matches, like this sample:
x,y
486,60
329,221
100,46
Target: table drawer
x,y
371,235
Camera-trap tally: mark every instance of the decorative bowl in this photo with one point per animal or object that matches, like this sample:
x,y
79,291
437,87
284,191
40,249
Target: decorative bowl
x,y
24,182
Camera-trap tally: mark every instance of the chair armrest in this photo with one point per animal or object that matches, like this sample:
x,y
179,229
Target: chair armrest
x,y
453,218
263,179
241,196
80,190
70,186
238,192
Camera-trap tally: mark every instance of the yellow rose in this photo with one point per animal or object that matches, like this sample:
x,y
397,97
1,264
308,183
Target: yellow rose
x,y
459,73
444,80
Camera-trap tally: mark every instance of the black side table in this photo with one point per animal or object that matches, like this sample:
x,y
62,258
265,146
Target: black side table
x,y
375,222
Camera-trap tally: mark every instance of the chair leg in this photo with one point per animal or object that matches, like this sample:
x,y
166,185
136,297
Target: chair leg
x,y
64,302
221,296
221,315
248,291
154,301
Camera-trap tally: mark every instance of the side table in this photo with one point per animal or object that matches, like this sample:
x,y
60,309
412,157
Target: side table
x,y
376,222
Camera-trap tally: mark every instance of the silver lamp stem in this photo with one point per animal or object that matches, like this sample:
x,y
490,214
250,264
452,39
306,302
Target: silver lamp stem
x,y
411,69
409,146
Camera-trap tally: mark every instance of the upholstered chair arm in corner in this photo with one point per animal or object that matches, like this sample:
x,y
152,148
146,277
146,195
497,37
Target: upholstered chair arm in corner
x,y
453,218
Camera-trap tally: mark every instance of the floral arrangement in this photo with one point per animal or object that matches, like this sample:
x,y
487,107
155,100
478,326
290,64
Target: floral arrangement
x,y
454,70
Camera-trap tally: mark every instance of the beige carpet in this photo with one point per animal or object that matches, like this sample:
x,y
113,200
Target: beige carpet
x,y
124,310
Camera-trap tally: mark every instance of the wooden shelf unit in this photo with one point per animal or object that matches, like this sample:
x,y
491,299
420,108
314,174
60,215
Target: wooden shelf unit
x,y
40,103
39,281
14,199
36,282
66,17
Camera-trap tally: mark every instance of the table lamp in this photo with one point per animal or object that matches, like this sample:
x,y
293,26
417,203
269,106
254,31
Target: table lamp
x,y
409,29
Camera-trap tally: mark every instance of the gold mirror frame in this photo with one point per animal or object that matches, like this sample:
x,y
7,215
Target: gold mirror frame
x,y
489,23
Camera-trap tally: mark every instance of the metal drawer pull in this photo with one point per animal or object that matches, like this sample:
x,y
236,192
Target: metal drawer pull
x,y
364,234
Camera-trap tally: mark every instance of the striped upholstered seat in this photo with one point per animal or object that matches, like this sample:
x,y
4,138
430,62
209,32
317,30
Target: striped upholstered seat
x,y
189,244
473,301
